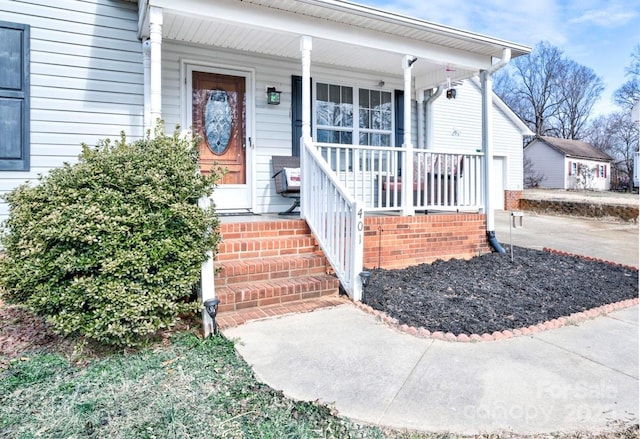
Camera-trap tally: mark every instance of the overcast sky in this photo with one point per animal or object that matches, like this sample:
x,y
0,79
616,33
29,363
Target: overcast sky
x,y
599,34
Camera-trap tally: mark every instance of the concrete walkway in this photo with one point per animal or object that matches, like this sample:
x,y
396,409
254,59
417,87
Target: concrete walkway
x,y
573,378
582,377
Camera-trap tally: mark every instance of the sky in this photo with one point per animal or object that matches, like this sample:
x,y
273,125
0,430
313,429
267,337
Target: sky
x,y
598,34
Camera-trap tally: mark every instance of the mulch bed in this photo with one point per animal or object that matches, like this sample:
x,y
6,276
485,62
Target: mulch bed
x,y
493,293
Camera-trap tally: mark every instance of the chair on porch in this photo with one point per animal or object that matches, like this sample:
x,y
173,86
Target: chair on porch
x,y
285,169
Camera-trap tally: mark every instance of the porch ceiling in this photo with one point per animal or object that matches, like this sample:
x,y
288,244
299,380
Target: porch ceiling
x,y
344,34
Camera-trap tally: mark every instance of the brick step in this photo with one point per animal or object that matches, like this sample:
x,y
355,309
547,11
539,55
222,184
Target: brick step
x,y
264,229
242,248
275,267
275,291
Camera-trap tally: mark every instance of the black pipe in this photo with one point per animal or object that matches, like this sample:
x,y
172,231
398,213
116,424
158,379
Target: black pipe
x,y
494,242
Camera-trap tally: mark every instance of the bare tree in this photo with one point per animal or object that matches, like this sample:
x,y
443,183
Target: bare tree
x,y
532,178
579,90
629,92
552,94
531,88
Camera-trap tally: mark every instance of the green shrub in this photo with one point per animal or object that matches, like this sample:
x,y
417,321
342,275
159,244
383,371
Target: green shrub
x,y
111,247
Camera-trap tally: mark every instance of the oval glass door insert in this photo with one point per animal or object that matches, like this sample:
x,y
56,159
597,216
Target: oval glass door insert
x,y
218,119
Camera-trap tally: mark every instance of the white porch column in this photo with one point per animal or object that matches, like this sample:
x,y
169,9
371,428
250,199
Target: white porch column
x,y
146,64
155,36
407,168
305,49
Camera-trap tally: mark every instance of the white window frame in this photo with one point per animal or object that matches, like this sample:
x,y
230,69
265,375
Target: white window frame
x,y
355,129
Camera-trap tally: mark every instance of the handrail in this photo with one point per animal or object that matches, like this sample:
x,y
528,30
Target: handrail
x,y
335,217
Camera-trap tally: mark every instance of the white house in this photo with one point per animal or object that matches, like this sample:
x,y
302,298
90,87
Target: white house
x,y
569,164
328,80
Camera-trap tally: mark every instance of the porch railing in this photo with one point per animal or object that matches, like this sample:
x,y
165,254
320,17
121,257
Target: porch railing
x,y
441,181
335,217
342,182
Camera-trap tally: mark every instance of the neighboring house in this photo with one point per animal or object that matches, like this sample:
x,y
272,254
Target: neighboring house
x,y
331,81
569,164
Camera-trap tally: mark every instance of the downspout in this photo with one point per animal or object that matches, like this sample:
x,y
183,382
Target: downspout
x,y
435,95
487,145
146,63
155,75
421,119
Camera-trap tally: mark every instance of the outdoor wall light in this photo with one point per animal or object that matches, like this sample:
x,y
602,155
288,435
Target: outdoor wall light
x,y
365,276
451,93
211,306
273,96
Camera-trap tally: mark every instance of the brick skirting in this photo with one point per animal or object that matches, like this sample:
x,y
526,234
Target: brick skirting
x,y
398,242
512,200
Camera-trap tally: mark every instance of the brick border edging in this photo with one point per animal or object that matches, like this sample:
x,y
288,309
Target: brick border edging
x,y
572,319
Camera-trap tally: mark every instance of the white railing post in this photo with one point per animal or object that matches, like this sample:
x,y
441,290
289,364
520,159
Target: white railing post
x,y
357,262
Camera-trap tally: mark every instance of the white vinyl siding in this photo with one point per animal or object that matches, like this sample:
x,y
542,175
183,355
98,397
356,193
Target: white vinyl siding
x,y
548,162
272,122
86,78
458,125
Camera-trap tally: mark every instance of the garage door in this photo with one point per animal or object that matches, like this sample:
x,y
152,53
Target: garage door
x,y
498,180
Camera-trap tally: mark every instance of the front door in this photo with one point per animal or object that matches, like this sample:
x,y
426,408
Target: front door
x,y
218,111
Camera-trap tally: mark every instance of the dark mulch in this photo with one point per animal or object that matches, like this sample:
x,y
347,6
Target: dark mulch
x,y
491,293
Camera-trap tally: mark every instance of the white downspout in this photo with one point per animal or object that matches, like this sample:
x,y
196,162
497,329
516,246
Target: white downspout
x,y
487,144
407,168
146,64
421,119
306,45
155,36
429,113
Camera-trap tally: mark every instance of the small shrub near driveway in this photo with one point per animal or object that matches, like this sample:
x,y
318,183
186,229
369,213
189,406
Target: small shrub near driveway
x,y
110,247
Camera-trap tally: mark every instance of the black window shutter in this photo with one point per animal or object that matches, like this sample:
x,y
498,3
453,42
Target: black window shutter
x,y
296,114
14,97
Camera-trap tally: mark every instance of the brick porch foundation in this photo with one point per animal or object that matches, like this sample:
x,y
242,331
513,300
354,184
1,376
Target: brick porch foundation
x,y
398,242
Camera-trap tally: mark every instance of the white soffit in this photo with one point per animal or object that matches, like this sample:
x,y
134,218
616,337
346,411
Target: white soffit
x,y
344,34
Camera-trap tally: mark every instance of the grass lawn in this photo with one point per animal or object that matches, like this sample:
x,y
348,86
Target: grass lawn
x,y
184,388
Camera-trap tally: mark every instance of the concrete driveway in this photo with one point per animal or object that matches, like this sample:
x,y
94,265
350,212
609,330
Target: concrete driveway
x,y
611,241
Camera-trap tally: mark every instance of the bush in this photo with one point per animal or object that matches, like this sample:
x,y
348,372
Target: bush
x,y
111,247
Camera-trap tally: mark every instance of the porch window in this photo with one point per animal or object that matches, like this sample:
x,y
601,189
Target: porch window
x,y
374,117
337,109
334,113
350,116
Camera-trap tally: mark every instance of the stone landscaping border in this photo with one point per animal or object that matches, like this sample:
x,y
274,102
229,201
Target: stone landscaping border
x,y
572,319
